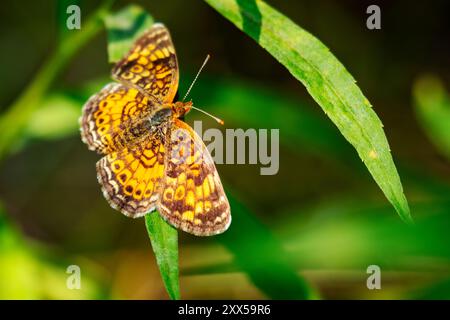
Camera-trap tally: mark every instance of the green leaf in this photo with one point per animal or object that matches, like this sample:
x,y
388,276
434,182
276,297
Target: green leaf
x,y
328,82
240,103
15,119
57,117
124,27
432,106
164,239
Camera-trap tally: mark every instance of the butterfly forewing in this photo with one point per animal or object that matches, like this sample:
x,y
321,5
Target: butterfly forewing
x,y
109,113
151,65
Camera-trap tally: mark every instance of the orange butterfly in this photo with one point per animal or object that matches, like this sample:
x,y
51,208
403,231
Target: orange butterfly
x,y
154,161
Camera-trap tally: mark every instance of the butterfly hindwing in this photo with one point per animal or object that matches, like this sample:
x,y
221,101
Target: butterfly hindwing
x,y
192,197
131,178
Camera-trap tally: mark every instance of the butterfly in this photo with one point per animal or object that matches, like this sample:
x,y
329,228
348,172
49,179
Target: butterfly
x,y
152,159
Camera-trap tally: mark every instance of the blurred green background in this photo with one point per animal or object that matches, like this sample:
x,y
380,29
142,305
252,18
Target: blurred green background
x,y
319,223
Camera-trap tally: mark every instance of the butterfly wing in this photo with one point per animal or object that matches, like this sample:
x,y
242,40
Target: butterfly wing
x,y
192,197
151,66
111,111
131,178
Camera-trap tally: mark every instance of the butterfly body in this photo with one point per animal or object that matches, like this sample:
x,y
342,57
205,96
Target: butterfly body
x,y
152,159
144,127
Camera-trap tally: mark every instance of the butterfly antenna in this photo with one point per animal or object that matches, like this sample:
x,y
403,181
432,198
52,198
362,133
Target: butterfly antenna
x,y
192,84
208,114
195,79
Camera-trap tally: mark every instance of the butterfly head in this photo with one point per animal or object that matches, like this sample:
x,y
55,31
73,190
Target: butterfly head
x,y
180,108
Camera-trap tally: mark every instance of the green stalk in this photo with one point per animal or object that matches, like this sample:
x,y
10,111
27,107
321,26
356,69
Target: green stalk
x,y
14,120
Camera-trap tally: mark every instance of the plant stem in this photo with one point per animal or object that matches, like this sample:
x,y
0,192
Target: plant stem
x,y
15,118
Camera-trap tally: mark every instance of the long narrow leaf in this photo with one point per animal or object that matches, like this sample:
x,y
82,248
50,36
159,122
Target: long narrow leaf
x,y
328,82
124,27
432,106
164,239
